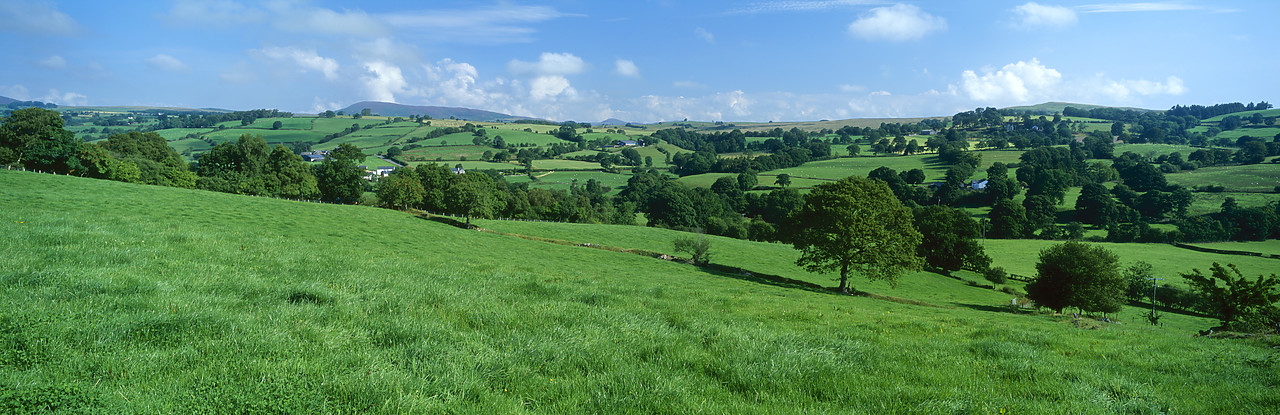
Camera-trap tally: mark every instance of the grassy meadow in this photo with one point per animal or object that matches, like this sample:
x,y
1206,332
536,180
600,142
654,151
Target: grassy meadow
x,y
120,298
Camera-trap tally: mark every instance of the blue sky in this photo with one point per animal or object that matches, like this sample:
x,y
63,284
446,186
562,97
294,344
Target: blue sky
x,y
641,60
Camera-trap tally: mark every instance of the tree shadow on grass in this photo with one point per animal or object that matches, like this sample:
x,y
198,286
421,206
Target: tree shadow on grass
x,y
995,308
766,279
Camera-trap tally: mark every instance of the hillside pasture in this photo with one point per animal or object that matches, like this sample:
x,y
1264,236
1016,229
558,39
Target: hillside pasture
x,y
1242,178
555,164
271,136
172,134
563,180
164,300
334,125
471,152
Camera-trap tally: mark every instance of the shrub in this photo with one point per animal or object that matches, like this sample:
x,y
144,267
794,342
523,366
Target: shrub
x,y
996,275
699,248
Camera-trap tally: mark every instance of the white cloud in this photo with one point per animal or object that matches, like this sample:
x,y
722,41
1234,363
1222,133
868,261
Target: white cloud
x,y
216,13
53,62
1015,82
298,17
66,99
897,23
457,84
167,63
544,87
1136,7
1124,89
705,35
798,6
549,64
501,23
384,81
307,59
1033,15
881,94
36,17
1025,82
626,68
15,91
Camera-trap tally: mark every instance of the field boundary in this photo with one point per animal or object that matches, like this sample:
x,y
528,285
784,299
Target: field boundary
x,y
1223,251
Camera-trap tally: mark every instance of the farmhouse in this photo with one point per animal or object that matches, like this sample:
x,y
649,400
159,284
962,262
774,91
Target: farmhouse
x,y
978,184
626,143
457,170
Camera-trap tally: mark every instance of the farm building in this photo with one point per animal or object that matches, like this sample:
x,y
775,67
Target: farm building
x,y
626,143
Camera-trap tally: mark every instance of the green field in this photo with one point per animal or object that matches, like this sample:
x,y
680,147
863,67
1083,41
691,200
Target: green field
x,y
122,298
1250,177
1274,112
172,134
563,180
272,136
1269,247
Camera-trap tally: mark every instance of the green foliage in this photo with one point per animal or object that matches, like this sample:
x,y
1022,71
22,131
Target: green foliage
x,y
948,239
996,275
35,138
1076,274
783,180
698,248
1239,303
402,189
855,224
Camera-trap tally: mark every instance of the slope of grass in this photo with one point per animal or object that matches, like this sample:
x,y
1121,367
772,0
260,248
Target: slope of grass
x,y
121,298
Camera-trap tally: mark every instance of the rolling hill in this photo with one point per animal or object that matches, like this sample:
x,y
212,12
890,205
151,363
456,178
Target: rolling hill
x,y
122,298
391,109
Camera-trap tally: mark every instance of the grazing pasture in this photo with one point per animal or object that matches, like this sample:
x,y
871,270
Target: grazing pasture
x,y
130,298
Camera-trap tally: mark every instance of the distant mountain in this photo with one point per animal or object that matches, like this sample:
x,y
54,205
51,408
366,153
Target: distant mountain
x,y
392,109
612,121
6,100
1052,107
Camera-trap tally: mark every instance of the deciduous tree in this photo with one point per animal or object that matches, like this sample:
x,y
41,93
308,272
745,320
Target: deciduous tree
x,y
855,224
1076,274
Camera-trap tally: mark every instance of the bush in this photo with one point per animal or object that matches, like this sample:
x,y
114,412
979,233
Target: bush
x,y
699,248
996,275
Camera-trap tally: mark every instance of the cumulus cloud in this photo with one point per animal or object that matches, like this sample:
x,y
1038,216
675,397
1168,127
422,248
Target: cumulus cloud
x,y
1032,15
307,59
1015,82
1023,82
545,87
53,62
626,68
67,99
36,17
549,64
383,81
458,84
897,23
705,35
167,63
